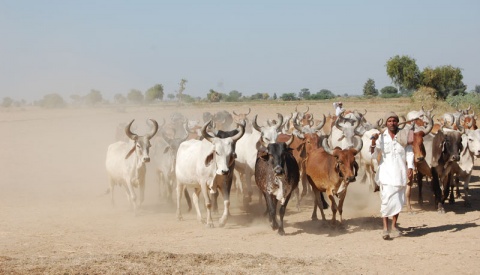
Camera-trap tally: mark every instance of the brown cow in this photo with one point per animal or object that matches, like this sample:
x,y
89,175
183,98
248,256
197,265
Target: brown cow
x,y
326,170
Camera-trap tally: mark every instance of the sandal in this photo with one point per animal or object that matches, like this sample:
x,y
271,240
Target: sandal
x,y
385,235
396,233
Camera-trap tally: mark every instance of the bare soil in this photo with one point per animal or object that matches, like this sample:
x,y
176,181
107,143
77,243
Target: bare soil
x,y
55,218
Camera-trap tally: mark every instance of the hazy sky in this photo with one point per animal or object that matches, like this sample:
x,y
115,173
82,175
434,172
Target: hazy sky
x,y
71,47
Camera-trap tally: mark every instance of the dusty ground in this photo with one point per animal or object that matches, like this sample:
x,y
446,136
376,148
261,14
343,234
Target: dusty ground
x,y
55,219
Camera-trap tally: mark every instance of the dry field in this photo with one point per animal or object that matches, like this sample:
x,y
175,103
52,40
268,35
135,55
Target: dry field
x,y
55,218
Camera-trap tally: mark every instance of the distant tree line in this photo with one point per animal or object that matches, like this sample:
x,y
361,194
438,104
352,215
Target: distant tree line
x,y
443,82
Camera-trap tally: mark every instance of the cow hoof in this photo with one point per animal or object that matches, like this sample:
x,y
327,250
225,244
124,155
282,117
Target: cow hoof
x,y
210,225
281,232
441,211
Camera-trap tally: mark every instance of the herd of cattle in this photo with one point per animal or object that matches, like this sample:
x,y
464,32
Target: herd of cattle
x,y
286,155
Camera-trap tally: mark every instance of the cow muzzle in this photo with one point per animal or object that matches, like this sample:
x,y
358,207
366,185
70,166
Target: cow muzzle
x,y
278,170
146,159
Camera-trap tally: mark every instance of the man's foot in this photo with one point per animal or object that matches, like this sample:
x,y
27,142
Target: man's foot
x,y
385,235
396,233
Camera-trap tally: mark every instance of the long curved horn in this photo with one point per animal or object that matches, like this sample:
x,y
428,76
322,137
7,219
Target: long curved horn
x,y
240,132
255,125
280,122
206,135
459,126
290,140
429,127
326,147
337,122
359,144
154,130
249,110
298,127
129,133
403,122
320,124
234,113
356,131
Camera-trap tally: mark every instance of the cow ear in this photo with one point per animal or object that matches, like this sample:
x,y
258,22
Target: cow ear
x,y
166,149
209,159
131,151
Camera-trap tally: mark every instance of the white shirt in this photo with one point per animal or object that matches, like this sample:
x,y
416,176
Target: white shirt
x,y
338,109
395,159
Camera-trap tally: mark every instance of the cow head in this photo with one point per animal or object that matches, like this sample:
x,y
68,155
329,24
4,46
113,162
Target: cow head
x,y
473,141
223,153
452,145
269,133
141,144
242,117
346,166
274,154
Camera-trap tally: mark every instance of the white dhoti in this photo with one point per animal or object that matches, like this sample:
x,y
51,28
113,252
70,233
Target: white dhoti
x,y
393,199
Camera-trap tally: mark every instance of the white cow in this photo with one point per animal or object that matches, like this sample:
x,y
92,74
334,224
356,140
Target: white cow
x,y
464,167
125,164
204,165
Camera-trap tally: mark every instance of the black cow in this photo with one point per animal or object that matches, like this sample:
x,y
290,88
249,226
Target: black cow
x,y
277,175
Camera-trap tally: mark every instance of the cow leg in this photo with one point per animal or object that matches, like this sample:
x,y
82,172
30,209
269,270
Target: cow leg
x,y
112,186
437,191
180,190
333,206
340,205
448,189
420,187
248,184
466,189
272,209
160,181
208,204
457,188
317,203
195,194
281,211
226,188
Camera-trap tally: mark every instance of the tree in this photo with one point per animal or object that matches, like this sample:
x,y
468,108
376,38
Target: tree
x,y
304,93
171,96
369,88
322,94
233,96
93,97
52,101
265,96
477,89
404,72
274,96
7,102
135,96
447,80
257,96
288,97
214,96
119,99
182,84
389,90
154,93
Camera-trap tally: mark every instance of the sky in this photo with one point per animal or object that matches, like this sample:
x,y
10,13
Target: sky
x,y
113,46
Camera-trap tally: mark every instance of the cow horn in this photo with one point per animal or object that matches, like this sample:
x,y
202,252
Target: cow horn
x,y
234,113
459,126
337,122
469,108
359,144
290,140
326,147
154,130
320,124
402,122
298,127
255,125
280,122
185,127
429,127
249,110
129,133
206,135
240,132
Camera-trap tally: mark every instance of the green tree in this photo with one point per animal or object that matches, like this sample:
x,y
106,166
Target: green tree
x,y
389,90
369,88
447,80
154,93
233,96
404,72
93,97
288,97
7,102
322,94
265,96
304,94
214,96
182,84
51,101
477,89
171,96
274,96
257,96
135,96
